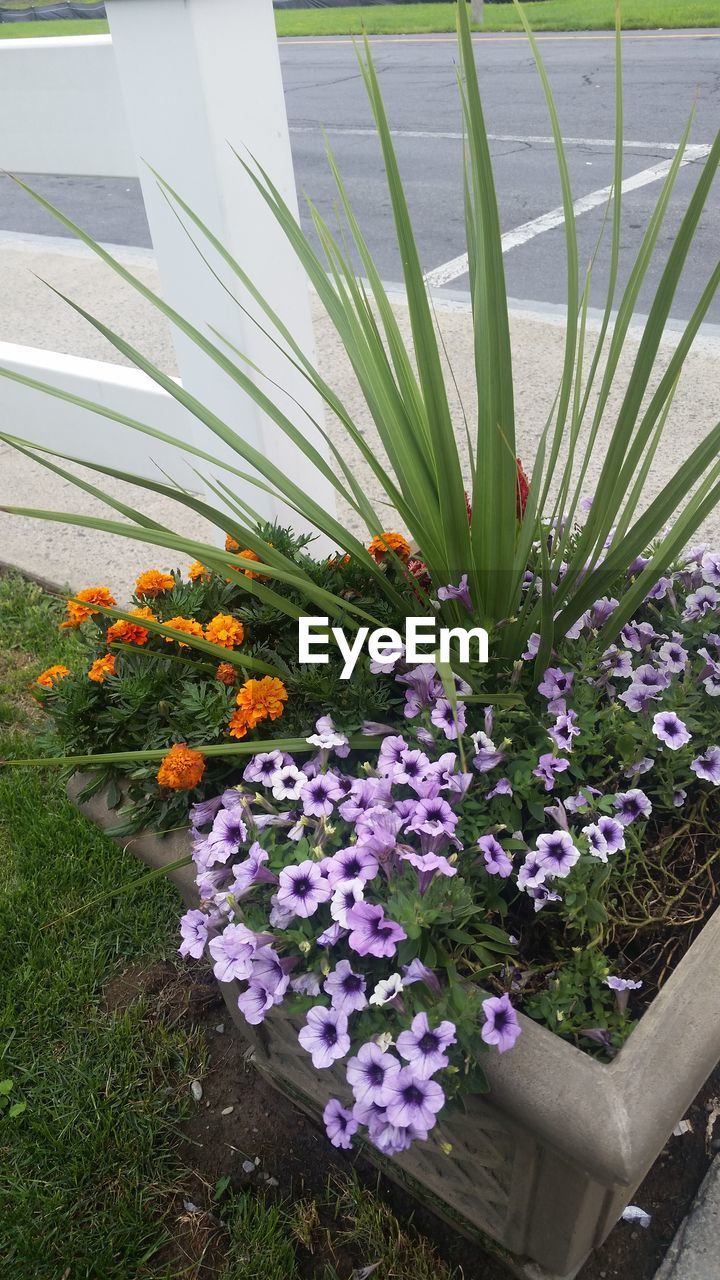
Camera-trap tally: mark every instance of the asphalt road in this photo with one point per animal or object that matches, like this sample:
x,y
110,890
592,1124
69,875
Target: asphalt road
x,y
665,75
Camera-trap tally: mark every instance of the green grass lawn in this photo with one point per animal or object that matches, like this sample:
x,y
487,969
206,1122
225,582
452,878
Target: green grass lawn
x,y
545,15
90,1171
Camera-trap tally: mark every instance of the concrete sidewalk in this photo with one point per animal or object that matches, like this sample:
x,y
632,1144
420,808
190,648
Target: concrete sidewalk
x,y
31,315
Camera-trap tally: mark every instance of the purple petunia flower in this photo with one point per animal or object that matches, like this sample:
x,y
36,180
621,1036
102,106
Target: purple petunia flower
x,y
503,787
327,737
501,1027
556,685
353,863
251,871
254,1003
622,984
533,647
707,766
564,730
673,657
548,765
638,635
413,1100
423,689
416,971
424,1046
390,755
346,893
388,991
451,722
232,952
606,836
370,1072
194,931
263,767
638,767
461,593
557,853
670,729
325,1036
229,832
372,934
204,811
434,817
346,989
302,888
700,603
288,782
532,872
541,895
391,1139
679,797
319,795
497,862
340,1124
632,804
487,757
411,768
617,663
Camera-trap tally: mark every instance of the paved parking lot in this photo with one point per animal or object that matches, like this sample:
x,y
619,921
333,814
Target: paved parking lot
x,y
666,74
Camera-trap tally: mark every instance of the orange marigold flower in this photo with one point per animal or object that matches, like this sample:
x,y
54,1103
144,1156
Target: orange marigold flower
x,y
226,673
238,725
231,545
153,583
48,677
79,613
261,700
131,632
102,668
389,541
188,625
197,572
335,563
225,630
182,768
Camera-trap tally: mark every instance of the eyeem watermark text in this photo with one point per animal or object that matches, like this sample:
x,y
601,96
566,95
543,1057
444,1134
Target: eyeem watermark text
x,y
422,642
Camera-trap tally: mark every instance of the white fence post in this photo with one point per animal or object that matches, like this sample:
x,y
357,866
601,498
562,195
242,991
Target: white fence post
x,y
197,76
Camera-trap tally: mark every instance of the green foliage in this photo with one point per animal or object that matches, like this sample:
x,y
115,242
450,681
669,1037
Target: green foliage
x,y
575,1001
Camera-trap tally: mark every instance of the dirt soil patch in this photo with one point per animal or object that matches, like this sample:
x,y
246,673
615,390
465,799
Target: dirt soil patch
x,y
240,1121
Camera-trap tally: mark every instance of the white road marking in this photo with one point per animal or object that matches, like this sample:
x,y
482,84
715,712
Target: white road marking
x,y
457,267
531,139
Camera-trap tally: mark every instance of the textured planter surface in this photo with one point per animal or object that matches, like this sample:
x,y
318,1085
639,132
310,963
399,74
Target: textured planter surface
x,y
546,1162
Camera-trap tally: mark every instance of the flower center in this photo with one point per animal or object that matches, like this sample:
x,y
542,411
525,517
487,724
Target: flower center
x,y
375,1073
428,1043
302,888
352,983
330,1034
413,1095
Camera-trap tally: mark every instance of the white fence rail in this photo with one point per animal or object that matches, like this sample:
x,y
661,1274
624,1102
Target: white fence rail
x,y
174,85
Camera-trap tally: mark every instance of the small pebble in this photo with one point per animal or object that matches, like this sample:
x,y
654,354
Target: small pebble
x,y
227,1111
248,1166
196,1090
220,1028
273,1182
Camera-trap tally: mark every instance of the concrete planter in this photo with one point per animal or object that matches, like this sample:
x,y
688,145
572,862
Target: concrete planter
x,y
546,1162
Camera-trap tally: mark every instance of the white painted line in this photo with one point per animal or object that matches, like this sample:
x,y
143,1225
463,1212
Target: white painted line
x,y
531,139
457,267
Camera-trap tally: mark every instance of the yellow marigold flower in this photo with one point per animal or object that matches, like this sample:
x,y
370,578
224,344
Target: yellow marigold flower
x,y
182,768
79,613
231,545
131,632
389,541
225,630
48,677
197,572
188,625
226,673
261,700
153,583
102,668
238,725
